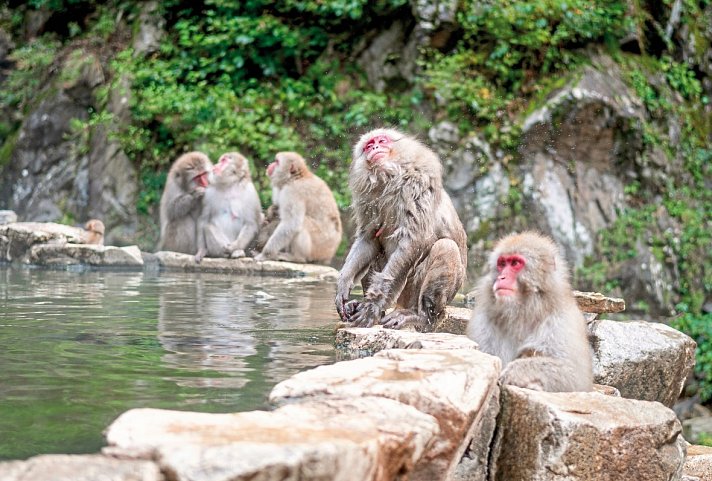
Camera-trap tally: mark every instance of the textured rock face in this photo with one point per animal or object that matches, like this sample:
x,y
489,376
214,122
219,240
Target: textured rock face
x,y
593,127
644,360
698,465
453,386
586,437
79,468
51,175
367,438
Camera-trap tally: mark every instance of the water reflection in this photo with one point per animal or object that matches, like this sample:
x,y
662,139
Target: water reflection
x,y
78,348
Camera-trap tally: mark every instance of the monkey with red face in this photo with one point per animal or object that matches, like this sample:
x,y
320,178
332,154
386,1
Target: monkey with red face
x,y
525,313
410,246
181,202
304,224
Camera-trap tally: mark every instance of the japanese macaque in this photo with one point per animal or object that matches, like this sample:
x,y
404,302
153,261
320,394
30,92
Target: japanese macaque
x,y
94,232
309,224
410,246
231,212
526,314
181,202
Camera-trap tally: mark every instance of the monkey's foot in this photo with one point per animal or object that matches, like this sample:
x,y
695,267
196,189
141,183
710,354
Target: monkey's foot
x,y
199,255
363,314
403,317
237,254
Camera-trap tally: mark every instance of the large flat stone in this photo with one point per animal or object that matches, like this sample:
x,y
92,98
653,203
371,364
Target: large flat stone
x,y
90,467
585,437
366,439
644,360
85,254
244,265
454,386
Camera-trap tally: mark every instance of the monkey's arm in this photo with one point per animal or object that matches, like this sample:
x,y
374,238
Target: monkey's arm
x,y
386,286
291,221
361,255
544,373
184,203
200,238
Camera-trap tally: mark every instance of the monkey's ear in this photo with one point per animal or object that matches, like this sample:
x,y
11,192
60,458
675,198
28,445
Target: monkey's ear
x,y
292,169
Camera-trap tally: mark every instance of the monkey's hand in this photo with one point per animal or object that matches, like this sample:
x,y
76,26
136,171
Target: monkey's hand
x,y
400,318
366,314
237,253
199,255
260,257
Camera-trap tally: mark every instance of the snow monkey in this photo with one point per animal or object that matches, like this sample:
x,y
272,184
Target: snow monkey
x,y
309,223
410,246
526,314
181,202
231,213
94,232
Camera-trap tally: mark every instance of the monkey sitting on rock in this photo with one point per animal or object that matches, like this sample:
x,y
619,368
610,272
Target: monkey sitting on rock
x,y
525,313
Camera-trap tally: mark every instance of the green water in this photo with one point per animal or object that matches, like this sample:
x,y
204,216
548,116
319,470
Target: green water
x,y
79,348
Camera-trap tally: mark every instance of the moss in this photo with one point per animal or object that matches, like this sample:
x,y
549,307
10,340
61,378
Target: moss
x,y
8,147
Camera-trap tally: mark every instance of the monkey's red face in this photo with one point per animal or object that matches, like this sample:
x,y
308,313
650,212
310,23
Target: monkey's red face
x,y
272,166
222,163
508,268
377,148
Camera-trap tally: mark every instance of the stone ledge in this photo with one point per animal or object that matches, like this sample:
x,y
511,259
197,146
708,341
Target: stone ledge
x,y
245,265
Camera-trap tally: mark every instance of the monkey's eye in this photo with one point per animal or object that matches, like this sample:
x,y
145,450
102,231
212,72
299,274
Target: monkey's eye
x,y
501,264
516,263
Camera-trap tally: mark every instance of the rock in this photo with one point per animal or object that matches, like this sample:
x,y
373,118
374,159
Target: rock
x,y
390,56
360,341
455,320
584,436
150,29
91,467
698,464
7,217
47,243
17,239
694,429
644,360
361,438
47,178
572,146
595,302
245,265
85,254
454,386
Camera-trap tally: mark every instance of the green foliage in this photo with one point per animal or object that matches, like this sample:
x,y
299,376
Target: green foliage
x,y
699,327
32,61
518,38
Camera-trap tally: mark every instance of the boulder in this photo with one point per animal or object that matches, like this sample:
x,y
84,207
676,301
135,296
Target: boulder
x,y
91,467
644,360
366,438
453,386
698,464
584,436
7,217
17,239
245,265
47,243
